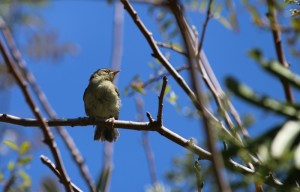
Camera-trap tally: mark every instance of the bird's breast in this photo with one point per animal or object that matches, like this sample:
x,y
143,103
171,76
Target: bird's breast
x,y
101,100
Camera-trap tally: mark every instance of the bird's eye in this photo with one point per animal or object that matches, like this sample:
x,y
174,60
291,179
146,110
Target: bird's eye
x,y
104,70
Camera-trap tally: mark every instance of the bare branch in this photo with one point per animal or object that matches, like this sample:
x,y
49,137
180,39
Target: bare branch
x,y
190,42
160,101
278,47
208,16
67,139
130,125
146,143
156,52
116,57
150,118
84,121
157,78
48,136
171,47
52,167
158,55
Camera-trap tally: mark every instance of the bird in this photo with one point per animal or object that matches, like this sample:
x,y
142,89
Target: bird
x,y
102,99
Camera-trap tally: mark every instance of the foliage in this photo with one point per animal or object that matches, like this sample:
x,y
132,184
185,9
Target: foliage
x,y
273,155
14,175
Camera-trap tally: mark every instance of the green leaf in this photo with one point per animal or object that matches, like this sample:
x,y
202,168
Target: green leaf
x,y
256,54
265,102
294,12
166,24
25,177
285,138
11,145
291,1
138,86
297,157
278,70
224,22
263,152
173,98
10,165
24,148
103,180
1,177
24,160
177,47
168,89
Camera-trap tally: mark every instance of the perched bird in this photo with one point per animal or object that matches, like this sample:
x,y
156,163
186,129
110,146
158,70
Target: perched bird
x,y
101,99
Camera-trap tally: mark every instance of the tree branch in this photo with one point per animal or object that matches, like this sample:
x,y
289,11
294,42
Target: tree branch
x,y
190,45
52,167
157,78
160,101
130,125
171,47
208,15
278,47
67,139
158,55
146,143
48,136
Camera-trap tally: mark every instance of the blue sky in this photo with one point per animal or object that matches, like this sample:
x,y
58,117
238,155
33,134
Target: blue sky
x,y
88,24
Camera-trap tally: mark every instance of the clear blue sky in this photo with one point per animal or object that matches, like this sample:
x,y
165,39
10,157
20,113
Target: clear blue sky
x,y
88,24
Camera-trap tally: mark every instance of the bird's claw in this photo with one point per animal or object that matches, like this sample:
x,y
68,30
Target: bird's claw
x,y
111,120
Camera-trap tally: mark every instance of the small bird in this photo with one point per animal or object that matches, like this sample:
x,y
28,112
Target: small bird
x,y
101,99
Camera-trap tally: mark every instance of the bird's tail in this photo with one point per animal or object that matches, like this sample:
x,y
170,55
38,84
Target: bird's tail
x,y
106,134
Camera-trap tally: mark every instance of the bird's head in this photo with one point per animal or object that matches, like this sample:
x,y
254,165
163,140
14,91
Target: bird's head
x,y
104,75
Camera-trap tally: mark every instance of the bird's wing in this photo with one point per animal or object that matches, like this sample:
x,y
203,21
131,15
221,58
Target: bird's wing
x,y
116,89
84,93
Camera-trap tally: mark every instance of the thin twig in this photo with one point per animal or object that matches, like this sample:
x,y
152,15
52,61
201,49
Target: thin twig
x,y
52,167
220,94
116,57
67,139
207,18
217,159
48,136
278,47
160,101
156,52
172,47
157,78
10,182
197,169
158,55
146,144
211,82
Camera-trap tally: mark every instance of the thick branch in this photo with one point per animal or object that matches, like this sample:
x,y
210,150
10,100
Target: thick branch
x,y
156,51
158,55
67,139
190,45
45,129
84,121
130,125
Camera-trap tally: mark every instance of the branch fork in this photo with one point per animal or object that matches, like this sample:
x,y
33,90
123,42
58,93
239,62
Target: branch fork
x,y
158,124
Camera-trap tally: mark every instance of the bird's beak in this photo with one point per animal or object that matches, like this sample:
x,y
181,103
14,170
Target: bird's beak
x,y
115,72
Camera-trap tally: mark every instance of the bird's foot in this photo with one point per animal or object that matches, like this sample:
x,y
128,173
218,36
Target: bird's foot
x,y
112,121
